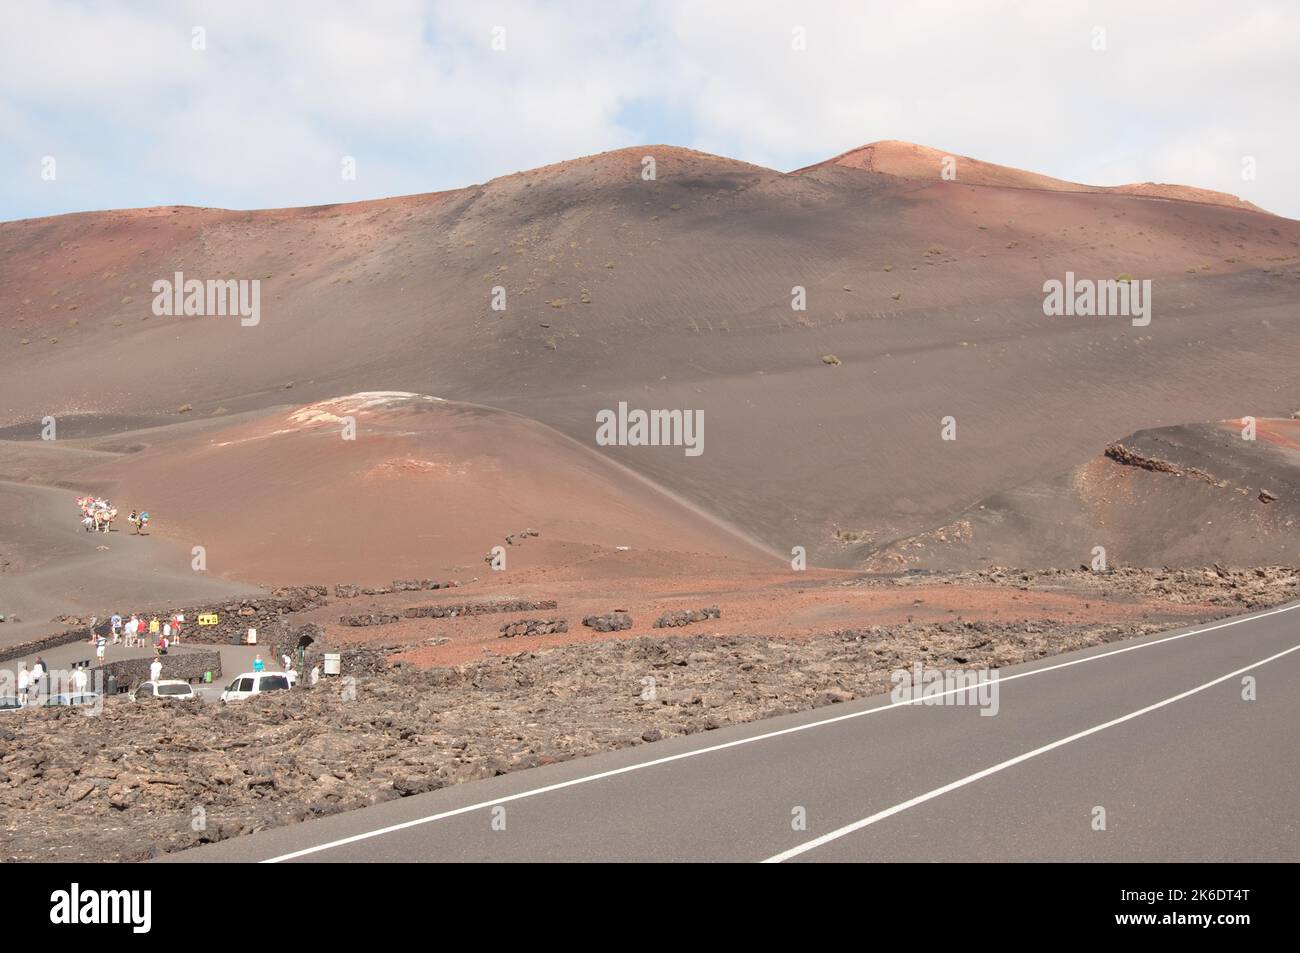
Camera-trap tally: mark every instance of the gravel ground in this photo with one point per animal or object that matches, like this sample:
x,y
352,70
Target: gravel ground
x,y
140,779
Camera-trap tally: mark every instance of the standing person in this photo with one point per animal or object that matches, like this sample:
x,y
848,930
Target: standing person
x,y
177,621
38,672
101,646
115,623
94,621
154,628
24,682
288,662
155,670
167,630
258,664
79,679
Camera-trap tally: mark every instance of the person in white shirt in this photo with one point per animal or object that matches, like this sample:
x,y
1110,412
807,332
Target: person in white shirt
x,y
79,679
155,670
24,682
38,672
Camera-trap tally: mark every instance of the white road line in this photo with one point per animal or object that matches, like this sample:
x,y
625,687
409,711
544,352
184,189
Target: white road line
x,y
694,753
1011,762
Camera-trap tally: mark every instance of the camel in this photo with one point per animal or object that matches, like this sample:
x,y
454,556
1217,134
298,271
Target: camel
x,y
96,514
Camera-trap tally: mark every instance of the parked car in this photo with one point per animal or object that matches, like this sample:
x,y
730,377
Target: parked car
x,y
11,703
173,689
255,683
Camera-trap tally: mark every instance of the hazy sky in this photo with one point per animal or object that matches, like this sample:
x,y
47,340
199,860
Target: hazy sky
x,y
132,114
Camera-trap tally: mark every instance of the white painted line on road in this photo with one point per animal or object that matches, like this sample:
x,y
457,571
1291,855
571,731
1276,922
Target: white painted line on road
x,y
534,792
1012,762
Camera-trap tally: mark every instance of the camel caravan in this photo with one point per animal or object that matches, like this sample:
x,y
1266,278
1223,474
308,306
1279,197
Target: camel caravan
x,y
97,515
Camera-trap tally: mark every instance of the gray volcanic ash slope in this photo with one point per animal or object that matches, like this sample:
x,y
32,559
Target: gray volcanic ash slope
x,y
676,293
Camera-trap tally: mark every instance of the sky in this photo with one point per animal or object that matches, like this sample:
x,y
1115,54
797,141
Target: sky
x,y
238,104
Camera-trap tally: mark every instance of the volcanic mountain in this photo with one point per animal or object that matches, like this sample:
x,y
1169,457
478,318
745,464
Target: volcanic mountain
x,y
911,161
834,325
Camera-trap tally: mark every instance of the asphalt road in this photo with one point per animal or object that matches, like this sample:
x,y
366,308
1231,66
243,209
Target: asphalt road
x,y
1153,731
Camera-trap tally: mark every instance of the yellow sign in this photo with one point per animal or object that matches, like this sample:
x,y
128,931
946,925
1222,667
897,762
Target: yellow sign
x,y
208,618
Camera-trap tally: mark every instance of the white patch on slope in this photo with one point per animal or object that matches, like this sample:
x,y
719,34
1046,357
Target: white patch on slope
x,y
335,409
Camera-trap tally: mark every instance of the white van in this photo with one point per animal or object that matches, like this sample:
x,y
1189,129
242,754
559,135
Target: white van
x,y
255,683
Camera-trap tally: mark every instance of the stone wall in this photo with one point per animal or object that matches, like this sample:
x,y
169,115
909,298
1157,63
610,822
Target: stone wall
x,y
446,611
238,615
373,618
610,622
533,627
283,639
476,608
346,591
43,644
671,620
187,665
235,617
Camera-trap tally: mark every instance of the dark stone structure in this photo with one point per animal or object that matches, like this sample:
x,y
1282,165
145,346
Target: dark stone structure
x,y
476,608
615,621
24,649
374,618
671,620
533,627
190,666
348,591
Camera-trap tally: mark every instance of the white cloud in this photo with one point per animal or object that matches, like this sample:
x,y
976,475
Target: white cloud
x,y
415,92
